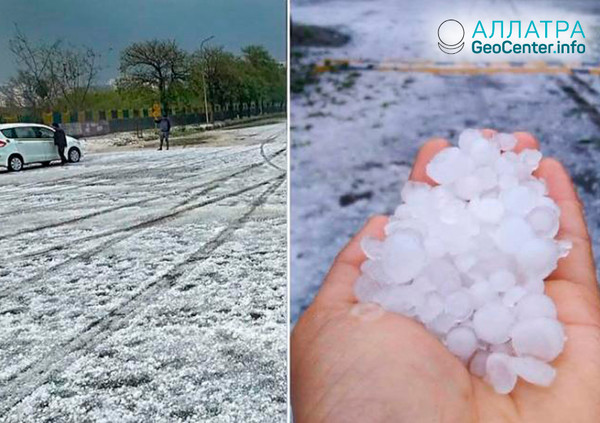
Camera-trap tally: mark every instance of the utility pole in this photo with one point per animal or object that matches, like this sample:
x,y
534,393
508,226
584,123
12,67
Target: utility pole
x,y
204,76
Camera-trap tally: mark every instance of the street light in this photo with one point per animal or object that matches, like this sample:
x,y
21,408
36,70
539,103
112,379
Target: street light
x,y
204,77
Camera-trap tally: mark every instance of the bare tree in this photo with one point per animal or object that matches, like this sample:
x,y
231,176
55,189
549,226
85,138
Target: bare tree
x,y
48,73
73,71
32,88
157,64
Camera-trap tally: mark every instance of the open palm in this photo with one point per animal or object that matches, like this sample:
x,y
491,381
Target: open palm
x,y
355,362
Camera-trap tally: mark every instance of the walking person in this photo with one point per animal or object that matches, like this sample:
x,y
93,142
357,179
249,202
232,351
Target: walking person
x,y
164,126
60,141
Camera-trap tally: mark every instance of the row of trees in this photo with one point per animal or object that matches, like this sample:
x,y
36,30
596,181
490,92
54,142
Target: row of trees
x,y
59,76
227,78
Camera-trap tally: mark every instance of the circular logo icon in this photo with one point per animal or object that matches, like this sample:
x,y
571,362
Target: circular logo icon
x,y
451,34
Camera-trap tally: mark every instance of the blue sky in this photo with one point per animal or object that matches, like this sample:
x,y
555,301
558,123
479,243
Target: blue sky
x,y
109,25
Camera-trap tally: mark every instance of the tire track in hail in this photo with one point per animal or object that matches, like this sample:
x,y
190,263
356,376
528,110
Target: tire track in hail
x,y
142,186
588,108
91,178
174,162
9,288
116,169
262,150
118,230
137,202
161,168
38,373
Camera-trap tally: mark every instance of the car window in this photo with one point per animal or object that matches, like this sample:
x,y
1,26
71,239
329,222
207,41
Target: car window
x,y
9,133
24,132
43,132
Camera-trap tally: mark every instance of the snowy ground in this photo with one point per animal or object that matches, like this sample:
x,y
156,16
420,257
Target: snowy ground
x,y
354,135
146,286
181,135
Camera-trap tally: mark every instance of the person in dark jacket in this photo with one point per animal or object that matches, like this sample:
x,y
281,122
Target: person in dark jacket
x,y
164,126
60,141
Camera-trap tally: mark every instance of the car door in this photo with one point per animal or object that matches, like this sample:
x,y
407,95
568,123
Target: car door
x,y
28,144
46,137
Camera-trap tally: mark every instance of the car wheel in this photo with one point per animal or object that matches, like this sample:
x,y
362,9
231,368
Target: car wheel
x,y
15,164
74,155
45,164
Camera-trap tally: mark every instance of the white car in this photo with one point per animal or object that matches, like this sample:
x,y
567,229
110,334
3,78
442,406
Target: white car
x,y
26,143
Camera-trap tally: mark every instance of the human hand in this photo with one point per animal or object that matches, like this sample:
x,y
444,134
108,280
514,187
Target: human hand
x,y
354,362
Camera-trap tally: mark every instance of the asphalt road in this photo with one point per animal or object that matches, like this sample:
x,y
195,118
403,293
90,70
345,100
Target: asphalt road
x,y
147,286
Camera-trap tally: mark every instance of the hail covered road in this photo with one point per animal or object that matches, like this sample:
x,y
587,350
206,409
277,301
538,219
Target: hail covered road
x,y
147,286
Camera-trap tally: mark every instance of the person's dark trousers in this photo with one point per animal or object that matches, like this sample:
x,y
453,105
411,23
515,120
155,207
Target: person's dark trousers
x,y
164,136
61,152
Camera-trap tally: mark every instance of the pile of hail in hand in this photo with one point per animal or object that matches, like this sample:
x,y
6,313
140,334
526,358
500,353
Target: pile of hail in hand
x,y
467,258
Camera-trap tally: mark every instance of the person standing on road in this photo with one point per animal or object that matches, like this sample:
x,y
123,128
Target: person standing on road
x,y
60,141
164,126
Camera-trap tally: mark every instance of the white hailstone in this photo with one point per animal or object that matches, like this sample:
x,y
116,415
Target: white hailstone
x,y
547,202
434,247
506,142
365,288
544,221
468,257
505,348
478,363
465,261
488,178
459,304
417,226
518,200
535,305
542,338
564,246
530,159
431,308
506,181
374,270
468,187
483,152
513,295
511,234
452,211
444,276
448,165
502,280
415,193
507,164
441,196
372,247
467,138
404,211
442,324
533,371
493,322
537,186
403,256
462,342
423,284
500,373
457,240
534,286
488,210
538,257
404,299
482,293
